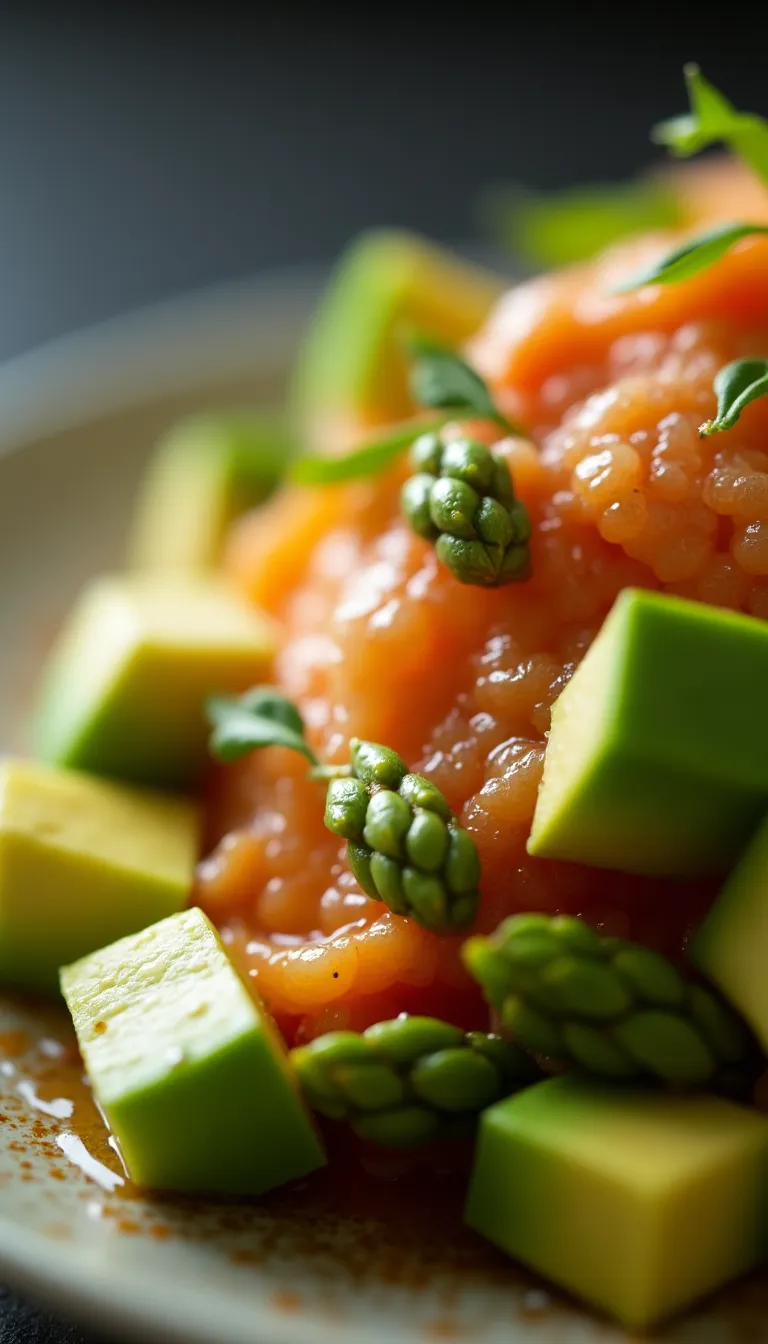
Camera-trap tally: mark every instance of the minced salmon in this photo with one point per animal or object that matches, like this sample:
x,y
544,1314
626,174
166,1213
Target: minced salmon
x,y
379,641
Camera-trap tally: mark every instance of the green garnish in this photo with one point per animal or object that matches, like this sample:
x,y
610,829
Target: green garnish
x,y
736,385
260,718
461,498
404,844
442,379
714,120
692,256
408,1081
558,228
606,1006
367,460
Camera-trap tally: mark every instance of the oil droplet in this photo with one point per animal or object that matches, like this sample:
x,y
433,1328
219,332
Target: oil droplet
x,y
60,1108
74,1148
50,1048
115,1146
536,1300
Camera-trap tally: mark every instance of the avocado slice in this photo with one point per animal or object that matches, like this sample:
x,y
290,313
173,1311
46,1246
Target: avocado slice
x,y
657,760
124,690
203,474
186,1066
731,946
83,861
638,1202
352,371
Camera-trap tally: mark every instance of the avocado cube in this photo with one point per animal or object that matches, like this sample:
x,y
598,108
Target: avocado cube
x,y
657,760
124,691
352,373
202,475
637,1202
83,861
190,1073
731,946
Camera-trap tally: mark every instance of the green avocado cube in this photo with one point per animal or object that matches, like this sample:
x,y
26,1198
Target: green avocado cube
x,y
202,475
83,861
637,1202
353,372
188,1070
124,690
657,760
731,946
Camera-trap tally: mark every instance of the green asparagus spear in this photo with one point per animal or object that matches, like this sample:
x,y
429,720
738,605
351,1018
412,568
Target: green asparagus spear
x,y
606,1006
461,498
404,845
405,1082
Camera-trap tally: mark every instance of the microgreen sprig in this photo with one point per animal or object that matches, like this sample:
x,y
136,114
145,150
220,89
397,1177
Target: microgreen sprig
x,y
404,845
440,380
736,385
260,718
692,256
714,120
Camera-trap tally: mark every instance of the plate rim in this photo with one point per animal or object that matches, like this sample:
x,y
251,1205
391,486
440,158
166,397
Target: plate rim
x,y
213,334
122,1306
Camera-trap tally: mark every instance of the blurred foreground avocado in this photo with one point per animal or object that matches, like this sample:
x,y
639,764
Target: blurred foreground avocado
x,y
731,946
637,1202
352,372
186,1065
125,685
202,475
84,861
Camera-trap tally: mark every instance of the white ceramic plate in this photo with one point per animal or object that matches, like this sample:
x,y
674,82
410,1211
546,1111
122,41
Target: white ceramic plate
x,y
328,1263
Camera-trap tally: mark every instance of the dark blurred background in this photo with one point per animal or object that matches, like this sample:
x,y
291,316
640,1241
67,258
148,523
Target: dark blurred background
x,y
148,150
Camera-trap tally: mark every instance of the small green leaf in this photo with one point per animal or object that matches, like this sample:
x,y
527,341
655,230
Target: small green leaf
x,y
736,385
558,228
713,120
440,378
368,460
692,256
260,718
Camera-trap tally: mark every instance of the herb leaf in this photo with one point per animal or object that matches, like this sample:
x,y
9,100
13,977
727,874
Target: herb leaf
x,y
692,256
711,120
260,718
440,378
558,228
736,385
367,460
